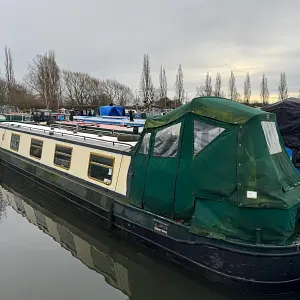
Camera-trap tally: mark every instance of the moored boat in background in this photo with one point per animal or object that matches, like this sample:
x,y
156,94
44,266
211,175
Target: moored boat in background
x,y
113,115
288,119
12,113
97,128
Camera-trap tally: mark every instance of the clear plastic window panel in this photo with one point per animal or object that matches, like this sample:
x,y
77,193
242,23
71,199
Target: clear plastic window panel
x,y
144,149
204,134
271,136
167,141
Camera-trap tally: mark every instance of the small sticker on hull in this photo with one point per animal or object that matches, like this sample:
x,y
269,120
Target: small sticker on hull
x,y
160,227
251,195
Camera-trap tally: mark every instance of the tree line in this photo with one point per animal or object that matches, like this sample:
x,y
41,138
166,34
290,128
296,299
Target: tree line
x,y
46,84
208,90
152,96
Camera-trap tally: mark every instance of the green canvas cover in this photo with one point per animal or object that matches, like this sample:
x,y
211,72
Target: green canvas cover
x,y
225,173
211,107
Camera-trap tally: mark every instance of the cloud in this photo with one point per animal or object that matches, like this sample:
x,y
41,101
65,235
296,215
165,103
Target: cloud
x,y
109,38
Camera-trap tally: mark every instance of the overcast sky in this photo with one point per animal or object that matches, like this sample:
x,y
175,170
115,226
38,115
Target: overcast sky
x,y
108,38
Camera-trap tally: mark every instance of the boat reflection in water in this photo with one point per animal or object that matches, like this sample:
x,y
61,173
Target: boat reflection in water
x,y
125,267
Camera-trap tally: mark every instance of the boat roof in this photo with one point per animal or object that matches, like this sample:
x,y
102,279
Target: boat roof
x,y
292,104
107,143
95,125
122,121
220,109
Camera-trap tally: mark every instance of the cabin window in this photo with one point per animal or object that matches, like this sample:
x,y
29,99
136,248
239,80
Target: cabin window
x,y
101,168
167,141
15,142
144,149
36,148
204,134
62,156
271,136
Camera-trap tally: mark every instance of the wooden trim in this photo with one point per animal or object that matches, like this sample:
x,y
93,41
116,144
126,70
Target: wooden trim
x,y
64,154
35,146
108,167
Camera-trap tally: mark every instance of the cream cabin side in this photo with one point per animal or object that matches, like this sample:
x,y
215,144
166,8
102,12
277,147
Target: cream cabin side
x,y
82,159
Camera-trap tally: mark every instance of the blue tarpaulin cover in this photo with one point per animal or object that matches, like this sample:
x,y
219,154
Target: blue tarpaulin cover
x,y
117,111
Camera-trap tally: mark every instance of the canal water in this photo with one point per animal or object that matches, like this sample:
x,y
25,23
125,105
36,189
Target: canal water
x,y
50,250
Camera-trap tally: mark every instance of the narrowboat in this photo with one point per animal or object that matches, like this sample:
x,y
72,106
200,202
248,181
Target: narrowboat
x,y
288,119
208,185
43,115
12,113
113,115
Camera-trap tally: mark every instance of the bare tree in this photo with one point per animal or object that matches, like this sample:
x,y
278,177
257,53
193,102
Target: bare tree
x,y
200,90
179,90
186,100
264,90
117,92
163,85
96,93
208,86
146,85
124,95
9,75
206,89
2,91
218,86
43,78
74,87
232,91
282,87
247,88
80,88
23,98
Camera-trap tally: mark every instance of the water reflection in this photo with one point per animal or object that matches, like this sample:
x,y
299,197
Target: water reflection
x,y
138,274
3,205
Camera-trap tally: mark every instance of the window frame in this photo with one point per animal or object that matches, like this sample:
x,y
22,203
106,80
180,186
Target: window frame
x,y
149,144
273,142
103,165
69,155
35,146
212,141
15,134
179,140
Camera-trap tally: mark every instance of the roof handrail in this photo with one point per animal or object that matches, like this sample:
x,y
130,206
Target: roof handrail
x,y
66,134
